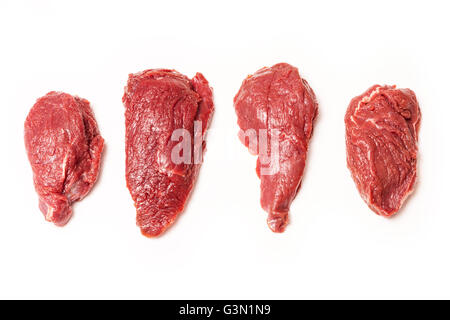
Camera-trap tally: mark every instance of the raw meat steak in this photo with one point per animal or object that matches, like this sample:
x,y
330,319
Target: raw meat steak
x,y
279,101
158,104
64,147
381,135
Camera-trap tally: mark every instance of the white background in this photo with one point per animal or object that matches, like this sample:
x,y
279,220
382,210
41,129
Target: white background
x,y
220,247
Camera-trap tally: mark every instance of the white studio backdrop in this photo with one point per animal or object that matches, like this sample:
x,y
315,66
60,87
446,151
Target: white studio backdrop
x,y
220,247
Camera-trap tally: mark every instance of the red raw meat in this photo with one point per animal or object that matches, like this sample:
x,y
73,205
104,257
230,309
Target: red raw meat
x,y
381,135
277,99
64,147
157,103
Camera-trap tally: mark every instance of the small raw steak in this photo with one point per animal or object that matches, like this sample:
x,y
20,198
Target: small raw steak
x,y
162,105
64,147
381,135
278,108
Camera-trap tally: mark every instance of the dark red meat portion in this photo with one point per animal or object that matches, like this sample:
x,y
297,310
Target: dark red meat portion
x,y
158,102
381,135
277,98
64,147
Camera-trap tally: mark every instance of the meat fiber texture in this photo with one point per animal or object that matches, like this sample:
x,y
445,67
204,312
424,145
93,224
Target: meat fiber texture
x,y
277,99
381,135
157,103
64,147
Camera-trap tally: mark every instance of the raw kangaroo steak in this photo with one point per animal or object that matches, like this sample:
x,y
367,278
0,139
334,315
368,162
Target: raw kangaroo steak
x,y
64,147
159,104
381,135
278,107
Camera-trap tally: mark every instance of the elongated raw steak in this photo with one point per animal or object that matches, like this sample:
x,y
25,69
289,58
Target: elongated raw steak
x,y
160,105
278,107
382,128
64,147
